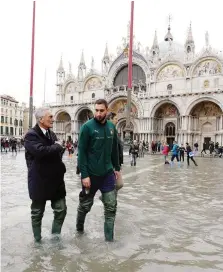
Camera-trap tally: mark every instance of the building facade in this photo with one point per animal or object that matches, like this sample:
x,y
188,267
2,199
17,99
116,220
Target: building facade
x,y
11,117
177,94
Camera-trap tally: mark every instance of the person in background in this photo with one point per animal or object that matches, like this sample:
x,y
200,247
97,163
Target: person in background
x,y
204,149
134,152
182,149
175,152
43,154
165,152
98,160
190,155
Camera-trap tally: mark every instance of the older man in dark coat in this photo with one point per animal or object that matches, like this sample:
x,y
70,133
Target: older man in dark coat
x,y
45,172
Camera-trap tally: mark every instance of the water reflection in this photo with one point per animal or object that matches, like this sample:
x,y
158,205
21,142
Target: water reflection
x,y
169,219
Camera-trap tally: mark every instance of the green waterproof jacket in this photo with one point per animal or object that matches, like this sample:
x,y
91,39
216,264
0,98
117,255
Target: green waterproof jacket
x,y
98,149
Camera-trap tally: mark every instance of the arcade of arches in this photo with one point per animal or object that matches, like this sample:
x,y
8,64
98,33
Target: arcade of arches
x,y
203,124
62,125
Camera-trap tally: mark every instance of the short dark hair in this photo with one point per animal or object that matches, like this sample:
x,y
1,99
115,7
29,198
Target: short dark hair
x,y
102,101
111,115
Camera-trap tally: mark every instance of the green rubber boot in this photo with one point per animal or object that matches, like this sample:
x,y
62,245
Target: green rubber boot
x,y
110,206
60,210
85,204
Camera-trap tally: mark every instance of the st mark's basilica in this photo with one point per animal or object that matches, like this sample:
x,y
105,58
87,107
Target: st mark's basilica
x,y
176,94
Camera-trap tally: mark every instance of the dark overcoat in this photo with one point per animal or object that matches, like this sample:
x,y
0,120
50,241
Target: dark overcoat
x,y
45,167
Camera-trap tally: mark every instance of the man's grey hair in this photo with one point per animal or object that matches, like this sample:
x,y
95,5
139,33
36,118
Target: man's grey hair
x,y
40,112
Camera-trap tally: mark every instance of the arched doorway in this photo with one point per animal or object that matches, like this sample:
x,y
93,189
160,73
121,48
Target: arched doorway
x,y
63,126
83,116
206,121
170,133
166,122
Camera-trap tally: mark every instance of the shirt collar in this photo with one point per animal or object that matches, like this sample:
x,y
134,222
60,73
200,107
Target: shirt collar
x,y
43,130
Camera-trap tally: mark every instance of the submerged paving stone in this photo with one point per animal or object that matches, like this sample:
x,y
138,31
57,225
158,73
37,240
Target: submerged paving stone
x,y
169,219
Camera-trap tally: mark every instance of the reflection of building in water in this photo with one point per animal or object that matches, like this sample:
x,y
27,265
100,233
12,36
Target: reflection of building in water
x,y
176,93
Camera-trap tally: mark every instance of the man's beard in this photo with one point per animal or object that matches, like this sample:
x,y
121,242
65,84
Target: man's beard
x,y
100,119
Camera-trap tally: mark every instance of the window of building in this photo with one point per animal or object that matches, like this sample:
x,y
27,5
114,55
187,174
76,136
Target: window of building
x,y
6,120
71,98
2,119
11,130
93,95
20,123
11,112
15,131
16,122
2,130
169,87
6,130
1,101
10,120
6,111
2,110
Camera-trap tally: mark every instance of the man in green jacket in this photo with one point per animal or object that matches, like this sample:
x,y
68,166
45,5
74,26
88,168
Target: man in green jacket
x,y
98,160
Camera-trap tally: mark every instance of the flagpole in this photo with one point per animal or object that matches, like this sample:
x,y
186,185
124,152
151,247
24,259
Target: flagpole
x,y
32,68
128,127
44,96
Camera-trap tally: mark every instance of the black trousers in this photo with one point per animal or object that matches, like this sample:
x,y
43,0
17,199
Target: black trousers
x,y
188,160
182,156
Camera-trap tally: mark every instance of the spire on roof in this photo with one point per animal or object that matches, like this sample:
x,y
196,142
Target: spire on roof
x,y
82,61
190,38
60,68
169,36
106,56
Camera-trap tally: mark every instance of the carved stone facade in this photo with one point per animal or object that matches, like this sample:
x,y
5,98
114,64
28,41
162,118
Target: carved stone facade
x,y
177,94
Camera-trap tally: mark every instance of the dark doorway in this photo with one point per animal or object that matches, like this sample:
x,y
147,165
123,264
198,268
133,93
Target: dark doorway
x,y
207,142
170,141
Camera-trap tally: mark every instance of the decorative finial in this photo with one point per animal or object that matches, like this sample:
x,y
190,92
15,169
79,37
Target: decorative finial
x,y
70,68
92,63
207,39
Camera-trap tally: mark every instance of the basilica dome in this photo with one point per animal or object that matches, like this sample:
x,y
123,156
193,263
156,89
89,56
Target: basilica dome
x,y
167,46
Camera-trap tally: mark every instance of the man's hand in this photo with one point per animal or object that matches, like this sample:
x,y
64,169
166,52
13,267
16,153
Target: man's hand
x,y
117,174
86,182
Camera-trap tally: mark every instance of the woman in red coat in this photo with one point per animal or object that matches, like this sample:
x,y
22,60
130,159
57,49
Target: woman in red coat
x,y
166,150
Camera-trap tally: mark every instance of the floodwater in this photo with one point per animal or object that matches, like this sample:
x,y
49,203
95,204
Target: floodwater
x,y
169,219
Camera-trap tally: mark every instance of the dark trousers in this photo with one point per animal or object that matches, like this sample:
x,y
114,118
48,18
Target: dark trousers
x,y
37,210
182,156
133,159
107,187
174,156
203,150
188,160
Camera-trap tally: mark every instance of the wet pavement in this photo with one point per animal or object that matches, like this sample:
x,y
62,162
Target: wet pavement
x,y
168,219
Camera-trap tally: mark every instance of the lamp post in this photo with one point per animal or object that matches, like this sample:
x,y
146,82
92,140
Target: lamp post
x,y
128,112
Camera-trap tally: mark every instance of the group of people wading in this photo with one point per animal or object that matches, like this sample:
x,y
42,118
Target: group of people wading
x,y
99,161
100,157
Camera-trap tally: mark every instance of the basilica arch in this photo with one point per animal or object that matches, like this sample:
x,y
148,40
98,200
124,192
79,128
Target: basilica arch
x,y
119,106
82,115
121,77
121,129
206,121
63,125
166,121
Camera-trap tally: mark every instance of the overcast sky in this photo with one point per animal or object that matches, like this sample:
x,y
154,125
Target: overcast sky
x,y
68,26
